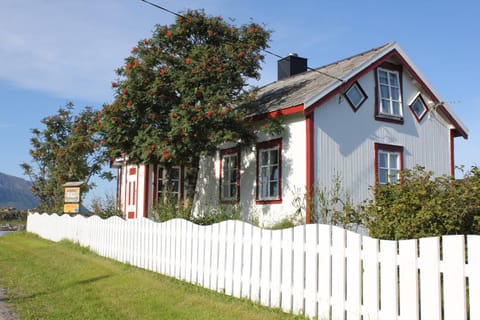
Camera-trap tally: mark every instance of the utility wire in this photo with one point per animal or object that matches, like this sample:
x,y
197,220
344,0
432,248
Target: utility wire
x,y
265,50
162,8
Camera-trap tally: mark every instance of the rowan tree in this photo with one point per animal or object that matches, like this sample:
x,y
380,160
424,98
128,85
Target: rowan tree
x,y
68,148
183,91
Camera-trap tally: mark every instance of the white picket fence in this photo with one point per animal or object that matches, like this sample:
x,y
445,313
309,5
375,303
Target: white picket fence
x,y
316,270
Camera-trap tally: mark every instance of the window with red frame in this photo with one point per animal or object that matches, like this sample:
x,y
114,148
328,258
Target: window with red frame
x,y
175,182
389,104
230,174
269,171
419,107
388,163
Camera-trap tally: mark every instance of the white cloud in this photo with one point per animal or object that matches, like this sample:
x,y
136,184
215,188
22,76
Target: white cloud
x,y
69,48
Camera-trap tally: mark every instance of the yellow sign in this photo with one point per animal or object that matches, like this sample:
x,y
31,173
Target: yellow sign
x,y
72,194
71,207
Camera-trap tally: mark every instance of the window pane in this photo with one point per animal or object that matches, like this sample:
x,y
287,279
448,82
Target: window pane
x,y
382,176
175,186
263,190
385,106
264,173
393,176
233,191
355,95
382,160
418,108
393,79
263,157
395,94
175,173
233,176
273,189
226,193
273,156
274,173
385,92
382,76
396,108
393,161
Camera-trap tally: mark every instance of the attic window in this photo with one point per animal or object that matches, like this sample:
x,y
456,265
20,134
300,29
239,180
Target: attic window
x,y
388,96
418,107
355,96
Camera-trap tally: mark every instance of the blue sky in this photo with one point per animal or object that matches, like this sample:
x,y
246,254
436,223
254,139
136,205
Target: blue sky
x,y
54,51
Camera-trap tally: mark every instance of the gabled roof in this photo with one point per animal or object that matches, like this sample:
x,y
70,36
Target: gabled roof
x,y
313,88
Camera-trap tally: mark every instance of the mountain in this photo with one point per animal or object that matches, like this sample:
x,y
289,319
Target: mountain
x,y
15,192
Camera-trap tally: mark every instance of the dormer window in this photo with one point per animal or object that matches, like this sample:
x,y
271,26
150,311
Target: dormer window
x,y
419,107
355,96
389,93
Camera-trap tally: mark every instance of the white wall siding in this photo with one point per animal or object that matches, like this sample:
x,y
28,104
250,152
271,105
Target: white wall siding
x,y
344,140
293,176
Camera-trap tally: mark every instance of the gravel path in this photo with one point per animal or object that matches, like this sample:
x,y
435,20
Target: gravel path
x,y
5,314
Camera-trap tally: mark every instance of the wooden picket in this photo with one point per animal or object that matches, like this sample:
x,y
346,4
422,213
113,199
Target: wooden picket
x,y
320,271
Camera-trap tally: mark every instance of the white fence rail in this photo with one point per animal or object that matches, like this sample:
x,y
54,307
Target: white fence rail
x,y
315,270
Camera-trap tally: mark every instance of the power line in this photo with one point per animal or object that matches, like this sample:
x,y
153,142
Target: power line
x,y
265,50
162,8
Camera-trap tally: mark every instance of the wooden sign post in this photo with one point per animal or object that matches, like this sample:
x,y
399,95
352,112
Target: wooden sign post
x,y
72,197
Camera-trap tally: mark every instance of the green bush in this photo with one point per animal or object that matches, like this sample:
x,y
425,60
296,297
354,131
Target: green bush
x,y
171,208
105,207
333,206
422,205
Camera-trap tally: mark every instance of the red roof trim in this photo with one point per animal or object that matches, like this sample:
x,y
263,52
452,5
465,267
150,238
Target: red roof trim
x,y
309,124
277,113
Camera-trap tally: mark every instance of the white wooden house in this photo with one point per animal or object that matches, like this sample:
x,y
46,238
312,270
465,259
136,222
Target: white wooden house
x,y
364,118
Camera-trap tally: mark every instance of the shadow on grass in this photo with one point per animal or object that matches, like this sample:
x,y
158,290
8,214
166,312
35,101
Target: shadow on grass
x,y
20,298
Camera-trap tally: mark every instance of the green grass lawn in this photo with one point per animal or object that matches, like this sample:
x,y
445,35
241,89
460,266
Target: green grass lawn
x,y
48,280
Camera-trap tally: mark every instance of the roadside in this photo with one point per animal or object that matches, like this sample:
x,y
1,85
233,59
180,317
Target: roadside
x,y
5,313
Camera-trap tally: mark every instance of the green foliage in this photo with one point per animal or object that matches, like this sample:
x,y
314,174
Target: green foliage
x,y
177,95
333,206
105,207
221,212
285,223
66,149
422,205
171,208
9,215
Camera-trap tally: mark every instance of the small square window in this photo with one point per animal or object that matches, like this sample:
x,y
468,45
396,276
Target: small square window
x,y
355,96
388,163
418,107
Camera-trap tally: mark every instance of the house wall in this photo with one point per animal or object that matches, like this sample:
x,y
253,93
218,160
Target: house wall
x,y
344,140
132,190
293,176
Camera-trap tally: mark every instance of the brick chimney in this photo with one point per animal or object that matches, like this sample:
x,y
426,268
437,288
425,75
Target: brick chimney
x,y
291,65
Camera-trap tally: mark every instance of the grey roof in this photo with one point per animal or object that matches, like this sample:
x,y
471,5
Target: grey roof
x,y
309,87
297,89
